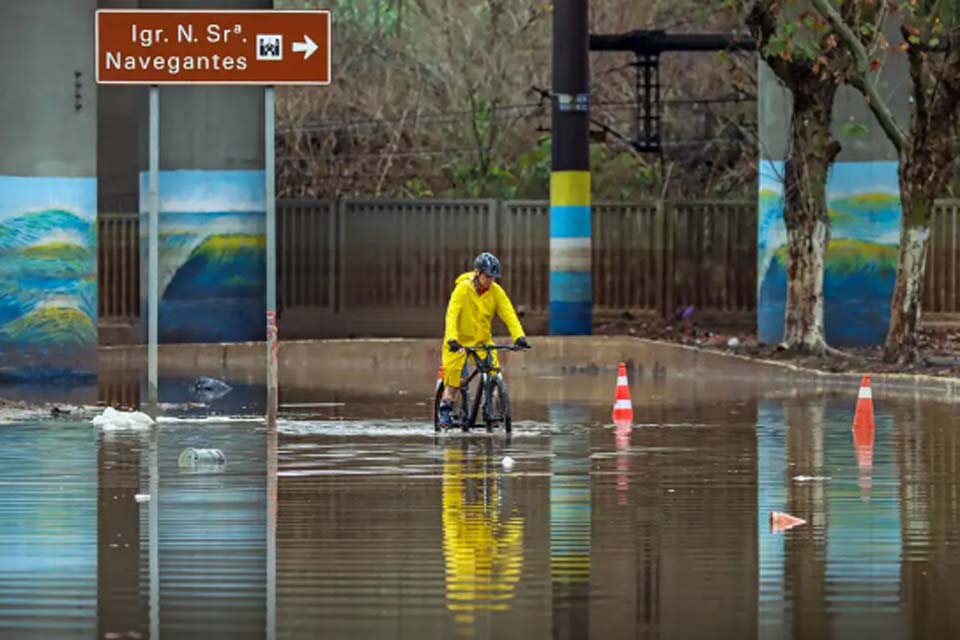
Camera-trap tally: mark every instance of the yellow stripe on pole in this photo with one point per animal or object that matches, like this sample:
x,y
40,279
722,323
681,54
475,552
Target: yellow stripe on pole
x,y
570,188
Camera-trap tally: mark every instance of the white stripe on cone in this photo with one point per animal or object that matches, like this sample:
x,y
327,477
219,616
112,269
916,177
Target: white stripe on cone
x,y
865,392
622,404
622,381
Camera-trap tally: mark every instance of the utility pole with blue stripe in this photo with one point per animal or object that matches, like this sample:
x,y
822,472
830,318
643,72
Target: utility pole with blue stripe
x,y
571,298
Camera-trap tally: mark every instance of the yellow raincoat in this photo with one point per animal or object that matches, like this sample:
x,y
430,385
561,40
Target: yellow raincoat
x,y
469,321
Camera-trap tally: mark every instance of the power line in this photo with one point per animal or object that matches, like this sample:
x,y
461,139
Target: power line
x,y
430,117
499,113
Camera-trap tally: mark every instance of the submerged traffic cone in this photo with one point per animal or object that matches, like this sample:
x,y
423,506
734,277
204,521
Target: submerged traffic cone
x,y
863,416
439,377
783,521
622,407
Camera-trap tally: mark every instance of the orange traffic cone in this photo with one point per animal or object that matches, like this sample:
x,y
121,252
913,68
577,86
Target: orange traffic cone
x,y
439,377
622,407
782,521
863,416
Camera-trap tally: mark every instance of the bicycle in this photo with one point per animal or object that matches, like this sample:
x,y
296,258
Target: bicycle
x,y
491,398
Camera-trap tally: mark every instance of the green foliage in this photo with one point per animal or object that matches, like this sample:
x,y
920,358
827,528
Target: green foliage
x,y
798,35
527,177
366,16
616,175
854,129
621,175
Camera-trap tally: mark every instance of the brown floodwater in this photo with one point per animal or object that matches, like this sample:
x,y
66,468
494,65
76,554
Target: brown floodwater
x,y
351,519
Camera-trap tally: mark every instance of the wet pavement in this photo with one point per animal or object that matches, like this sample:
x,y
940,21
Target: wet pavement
x,y
352,519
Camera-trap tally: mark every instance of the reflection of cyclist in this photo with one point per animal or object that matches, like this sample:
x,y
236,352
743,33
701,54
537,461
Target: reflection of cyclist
x,y
475,298
482,547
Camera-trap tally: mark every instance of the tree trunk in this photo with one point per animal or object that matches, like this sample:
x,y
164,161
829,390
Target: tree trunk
x,y
918,177
812,151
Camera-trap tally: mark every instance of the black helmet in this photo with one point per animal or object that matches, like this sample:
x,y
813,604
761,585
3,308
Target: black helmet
x,y
487,263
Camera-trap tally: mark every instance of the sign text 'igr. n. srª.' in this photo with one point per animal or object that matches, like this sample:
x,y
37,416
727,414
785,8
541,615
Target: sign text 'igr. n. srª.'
x,y
174,64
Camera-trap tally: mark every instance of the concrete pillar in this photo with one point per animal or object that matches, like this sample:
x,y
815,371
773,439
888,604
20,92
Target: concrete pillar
x,y
864,200
48,191
212,205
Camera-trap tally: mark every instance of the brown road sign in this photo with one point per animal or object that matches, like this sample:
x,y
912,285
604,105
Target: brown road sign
x,y
212,47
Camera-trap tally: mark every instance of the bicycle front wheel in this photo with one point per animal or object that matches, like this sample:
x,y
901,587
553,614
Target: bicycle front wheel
x,y
498,405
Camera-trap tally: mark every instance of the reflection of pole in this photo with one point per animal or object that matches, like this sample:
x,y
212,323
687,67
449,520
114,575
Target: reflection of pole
x,y
154,534
570,523
153,266
272,488
269,159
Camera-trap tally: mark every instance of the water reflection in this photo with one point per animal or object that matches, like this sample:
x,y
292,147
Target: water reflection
x,y
361,530
80,556
838,576
863,436
482,537
570,521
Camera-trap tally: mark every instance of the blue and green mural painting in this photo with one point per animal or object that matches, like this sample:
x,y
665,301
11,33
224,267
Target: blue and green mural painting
x,y
48,291
212,255
861,262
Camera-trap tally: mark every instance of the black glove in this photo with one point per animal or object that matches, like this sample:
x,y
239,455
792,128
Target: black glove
x,y
522,343
453,345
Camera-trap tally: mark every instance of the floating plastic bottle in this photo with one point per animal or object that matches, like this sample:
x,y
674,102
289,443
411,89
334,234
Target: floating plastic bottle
x,y
191,457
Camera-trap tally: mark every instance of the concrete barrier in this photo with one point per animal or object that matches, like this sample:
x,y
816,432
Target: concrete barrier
x,y
388,363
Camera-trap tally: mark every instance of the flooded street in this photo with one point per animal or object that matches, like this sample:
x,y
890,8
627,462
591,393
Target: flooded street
x,y
351,519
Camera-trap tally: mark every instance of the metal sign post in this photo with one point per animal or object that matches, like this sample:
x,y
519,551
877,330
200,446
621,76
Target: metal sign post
x,y
153,256
272,346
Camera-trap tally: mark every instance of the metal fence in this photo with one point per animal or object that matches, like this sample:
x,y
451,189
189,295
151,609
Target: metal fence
x,y
118,273
372,267
941,299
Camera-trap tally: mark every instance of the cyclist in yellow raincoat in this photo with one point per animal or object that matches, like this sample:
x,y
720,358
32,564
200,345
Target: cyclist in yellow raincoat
x,y
475,298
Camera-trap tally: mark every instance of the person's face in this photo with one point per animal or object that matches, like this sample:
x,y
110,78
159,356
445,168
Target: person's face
x,y
484,280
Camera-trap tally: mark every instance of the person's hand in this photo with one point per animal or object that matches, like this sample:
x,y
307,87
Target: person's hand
x,y
522,343
453,345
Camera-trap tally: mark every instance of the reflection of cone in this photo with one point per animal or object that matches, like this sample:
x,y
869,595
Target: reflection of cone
x,y
863,416
621,435
623,482
863,445
783,521
622,407
863,436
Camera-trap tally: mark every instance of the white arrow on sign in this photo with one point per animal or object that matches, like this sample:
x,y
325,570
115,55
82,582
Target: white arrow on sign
x,y
308,46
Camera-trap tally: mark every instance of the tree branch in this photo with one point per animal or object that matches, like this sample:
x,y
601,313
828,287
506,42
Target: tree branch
x,y
763,25
860,75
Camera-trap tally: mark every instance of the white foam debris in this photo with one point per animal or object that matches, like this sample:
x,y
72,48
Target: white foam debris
x,y
142,497
811,478
113,419
507,463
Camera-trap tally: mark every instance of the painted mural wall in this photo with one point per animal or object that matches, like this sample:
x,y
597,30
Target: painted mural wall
x,y
861,263
212,255
48,288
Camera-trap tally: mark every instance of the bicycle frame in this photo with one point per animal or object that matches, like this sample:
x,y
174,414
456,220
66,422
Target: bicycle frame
x,y
484,367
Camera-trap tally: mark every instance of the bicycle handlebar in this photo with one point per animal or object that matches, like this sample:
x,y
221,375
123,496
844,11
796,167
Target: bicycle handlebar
x,y
493,347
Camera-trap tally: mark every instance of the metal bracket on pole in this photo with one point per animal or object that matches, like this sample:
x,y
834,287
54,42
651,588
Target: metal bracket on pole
x,y
272,330
153,250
